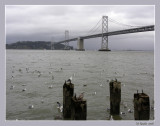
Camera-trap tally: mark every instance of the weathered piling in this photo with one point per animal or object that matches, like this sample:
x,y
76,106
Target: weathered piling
x,y
141,106
115,97
79,109
68,90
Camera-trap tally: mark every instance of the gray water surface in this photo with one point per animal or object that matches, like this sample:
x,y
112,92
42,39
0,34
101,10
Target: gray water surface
x,y
134,69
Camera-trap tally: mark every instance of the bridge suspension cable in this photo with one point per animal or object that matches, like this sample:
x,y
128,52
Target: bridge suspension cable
x,y
91,31
122,24
98,27
95,27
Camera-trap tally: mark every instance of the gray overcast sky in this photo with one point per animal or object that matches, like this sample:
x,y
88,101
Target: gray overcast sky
x,y
45,22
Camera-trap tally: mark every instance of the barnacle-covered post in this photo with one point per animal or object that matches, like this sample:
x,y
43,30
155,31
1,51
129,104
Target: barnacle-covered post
x,y
141,106
68,90
79,108
115,97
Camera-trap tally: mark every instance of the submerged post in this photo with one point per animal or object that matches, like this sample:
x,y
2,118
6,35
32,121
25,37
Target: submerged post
x,y
141,106
68,90
115,97
79,109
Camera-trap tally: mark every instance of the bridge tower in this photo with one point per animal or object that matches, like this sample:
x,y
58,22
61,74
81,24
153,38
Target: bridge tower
x,y
66,46
52,43
104,44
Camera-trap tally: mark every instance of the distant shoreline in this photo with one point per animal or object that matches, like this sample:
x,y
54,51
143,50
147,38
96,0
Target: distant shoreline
x,y
85,50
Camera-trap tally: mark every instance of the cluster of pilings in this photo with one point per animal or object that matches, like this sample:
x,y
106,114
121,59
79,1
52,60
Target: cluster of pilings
x,y
74,108
141,102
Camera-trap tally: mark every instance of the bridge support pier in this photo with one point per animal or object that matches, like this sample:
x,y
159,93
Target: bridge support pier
x,y
104,50
80,45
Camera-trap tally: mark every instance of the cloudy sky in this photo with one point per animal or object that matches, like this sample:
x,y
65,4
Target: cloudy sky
x,y
48,23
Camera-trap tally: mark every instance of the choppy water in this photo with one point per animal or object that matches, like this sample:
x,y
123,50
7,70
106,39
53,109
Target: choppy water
x,y
134,69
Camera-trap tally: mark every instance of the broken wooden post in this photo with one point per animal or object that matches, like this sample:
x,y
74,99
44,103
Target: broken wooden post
x,y
141,106
115,97
79,108
68,90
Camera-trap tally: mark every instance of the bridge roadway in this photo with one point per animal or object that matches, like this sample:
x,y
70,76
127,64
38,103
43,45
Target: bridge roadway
x,y
126,31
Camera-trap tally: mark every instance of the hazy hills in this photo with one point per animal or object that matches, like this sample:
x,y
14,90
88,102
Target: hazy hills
x,y
34,45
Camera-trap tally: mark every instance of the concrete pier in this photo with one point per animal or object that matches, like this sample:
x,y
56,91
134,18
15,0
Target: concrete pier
x,y
68,90
115,97
104,50
141,106
80,45
79,109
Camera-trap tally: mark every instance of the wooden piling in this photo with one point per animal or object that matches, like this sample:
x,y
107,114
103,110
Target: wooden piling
x,y
79,109
68,90
141,106
115,97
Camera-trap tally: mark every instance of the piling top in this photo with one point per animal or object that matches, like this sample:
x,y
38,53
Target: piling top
x,y
141,95
75,99
115,84
68,85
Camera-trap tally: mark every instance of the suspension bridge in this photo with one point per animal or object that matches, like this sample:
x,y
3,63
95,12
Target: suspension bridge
x,y
104,34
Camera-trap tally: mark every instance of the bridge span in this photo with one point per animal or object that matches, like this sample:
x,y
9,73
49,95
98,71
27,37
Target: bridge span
x,y
104,35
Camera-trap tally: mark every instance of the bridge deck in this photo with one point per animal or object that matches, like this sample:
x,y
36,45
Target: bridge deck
x,y
126,31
